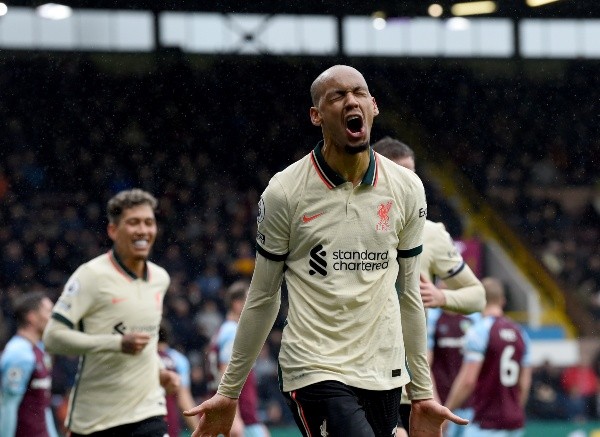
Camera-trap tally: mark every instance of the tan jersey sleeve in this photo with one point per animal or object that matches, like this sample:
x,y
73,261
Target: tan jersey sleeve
x,y
256,321
414,329
61,339
273,222
414,325
77,298
465,293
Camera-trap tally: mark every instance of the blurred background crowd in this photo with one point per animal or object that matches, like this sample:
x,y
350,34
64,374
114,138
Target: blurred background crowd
x,y
204,136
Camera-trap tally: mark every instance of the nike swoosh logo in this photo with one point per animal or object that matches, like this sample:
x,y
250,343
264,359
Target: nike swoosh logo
x,y
307,219
118,299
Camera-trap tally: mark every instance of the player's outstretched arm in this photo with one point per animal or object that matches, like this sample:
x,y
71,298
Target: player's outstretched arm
x,y
216,416
427,417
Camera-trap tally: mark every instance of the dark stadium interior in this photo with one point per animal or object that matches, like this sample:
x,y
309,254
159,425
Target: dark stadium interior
x,y
205,133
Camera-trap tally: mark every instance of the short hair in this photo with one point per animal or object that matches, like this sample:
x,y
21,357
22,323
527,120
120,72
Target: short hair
x,y
236,291
25,303
316,88
128,199
393,149
494,290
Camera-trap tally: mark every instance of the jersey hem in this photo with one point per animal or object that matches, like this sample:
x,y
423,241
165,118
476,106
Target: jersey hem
x,y
352,382
124,421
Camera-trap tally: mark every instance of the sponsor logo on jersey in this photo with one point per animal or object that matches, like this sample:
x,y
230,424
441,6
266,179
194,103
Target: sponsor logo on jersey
x,y
346,260
451,342
352,260
508,334
120,328
41,383
317,261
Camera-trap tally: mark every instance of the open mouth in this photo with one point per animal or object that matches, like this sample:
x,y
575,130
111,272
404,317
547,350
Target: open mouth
x,y
141,244
354,124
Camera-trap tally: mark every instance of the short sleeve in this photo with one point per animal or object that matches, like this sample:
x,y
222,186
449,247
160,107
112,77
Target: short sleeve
x,y
225,341
526,361
18,364
182,367
477,339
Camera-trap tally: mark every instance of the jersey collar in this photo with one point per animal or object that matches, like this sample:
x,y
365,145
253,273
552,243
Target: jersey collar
x,y
331,178
123,269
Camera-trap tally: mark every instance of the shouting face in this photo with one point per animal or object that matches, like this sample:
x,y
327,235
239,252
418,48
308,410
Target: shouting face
x,y
344,108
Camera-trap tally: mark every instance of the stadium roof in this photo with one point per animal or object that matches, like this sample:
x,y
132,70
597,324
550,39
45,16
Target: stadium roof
x,y
408,8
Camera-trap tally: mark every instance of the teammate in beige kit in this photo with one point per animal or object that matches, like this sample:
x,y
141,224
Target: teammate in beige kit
x,y
346,229
440,260
109,313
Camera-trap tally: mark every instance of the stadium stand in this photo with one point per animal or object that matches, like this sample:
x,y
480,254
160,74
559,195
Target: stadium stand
x,y
205,135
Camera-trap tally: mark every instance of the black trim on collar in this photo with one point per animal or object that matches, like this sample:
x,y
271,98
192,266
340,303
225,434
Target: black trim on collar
x,y
126,270
332,178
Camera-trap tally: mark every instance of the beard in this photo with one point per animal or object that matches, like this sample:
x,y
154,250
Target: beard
x,y
355,150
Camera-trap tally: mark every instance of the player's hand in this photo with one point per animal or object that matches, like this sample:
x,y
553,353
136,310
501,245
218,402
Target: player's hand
x,y
134,342
431,296
216,416
169,380
427,418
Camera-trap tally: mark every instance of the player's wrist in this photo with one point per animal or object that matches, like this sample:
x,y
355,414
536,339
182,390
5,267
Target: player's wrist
x,y
443,300
228,395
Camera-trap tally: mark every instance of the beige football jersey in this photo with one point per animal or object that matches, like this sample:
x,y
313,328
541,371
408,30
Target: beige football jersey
x,y
112,388
340,245
440,258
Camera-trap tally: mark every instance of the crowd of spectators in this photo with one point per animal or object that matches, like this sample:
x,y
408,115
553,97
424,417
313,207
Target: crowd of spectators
x,y
567,393
205,135
530,144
